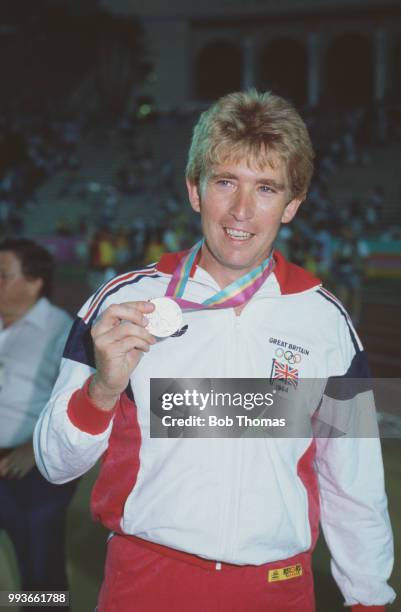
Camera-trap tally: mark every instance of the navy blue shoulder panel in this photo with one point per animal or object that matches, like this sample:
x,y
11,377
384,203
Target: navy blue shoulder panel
x,y
356,380
79,346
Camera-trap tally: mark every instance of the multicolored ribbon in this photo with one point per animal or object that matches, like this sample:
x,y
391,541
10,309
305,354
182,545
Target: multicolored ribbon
x,y
235,294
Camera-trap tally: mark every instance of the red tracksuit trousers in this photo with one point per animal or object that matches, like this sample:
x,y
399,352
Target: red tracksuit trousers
x,y
145,577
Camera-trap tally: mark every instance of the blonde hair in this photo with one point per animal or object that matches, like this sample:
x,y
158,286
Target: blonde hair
x,y
258,127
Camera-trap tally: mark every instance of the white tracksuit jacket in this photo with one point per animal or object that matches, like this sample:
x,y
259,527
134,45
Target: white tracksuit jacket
x,y
242,501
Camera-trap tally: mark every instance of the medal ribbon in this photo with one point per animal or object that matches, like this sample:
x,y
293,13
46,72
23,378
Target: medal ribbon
x,y
235,294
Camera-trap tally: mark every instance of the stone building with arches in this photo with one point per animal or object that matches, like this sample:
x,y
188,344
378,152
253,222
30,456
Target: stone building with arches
x,y
316,52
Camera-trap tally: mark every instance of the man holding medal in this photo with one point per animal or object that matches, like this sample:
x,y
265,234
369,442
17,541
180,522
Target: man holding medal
x,y
217,524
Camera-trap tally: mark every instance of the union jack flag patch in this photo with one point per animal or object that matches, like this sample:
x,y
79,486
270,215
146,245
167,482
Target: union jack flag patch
x,y
283,371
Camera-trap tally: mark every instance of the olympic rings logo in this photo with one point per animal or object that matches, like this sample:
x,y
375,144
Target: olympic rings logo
x,y
288,355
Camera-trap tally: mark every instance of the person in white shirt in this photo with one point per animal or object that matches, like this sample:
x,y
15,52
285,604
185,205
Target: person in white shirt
x,y
33,332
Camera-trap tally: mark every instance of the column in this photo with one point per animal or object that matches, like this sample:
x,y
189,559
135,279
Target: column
x,y
313,69
380,64
248,69
169,49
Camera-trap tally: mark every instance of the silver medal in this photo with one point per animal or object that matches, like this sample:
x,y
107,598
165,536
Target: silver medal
x,y
166,318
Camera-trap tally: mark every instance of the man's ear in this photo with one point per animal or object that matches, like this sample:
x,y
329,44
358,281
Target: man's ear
x,y
193,194
291,210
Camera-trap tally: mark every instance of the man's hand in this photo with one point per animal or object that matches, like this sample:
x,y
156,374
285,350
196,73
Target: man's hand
x,y
19,462
119,339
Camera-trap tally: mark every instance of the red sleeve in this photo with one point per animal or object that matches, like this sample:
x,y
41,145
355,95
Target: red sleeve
x,y
83,413
361,608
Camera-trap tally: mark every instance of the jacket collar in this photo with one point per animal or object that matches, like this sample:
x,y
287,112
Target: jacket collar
x,y
37,315
290,277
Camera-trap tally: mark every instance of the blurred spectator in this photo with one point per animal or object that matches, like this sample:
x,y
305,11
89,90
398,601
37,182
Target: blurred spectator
x,y
102,258
4,214
63,227
95,275
171,238
154,248
356,216
283,240
349,259
138,237
122,247
324,252
109,208
107,254
32,336
128,181
374,206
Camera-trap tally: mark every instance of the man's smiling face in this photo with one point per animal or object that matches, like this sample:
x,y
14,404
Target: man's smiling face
x,y
242,208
